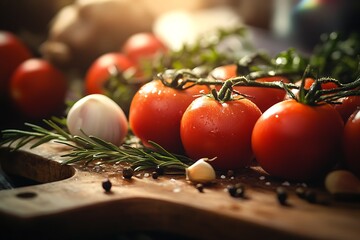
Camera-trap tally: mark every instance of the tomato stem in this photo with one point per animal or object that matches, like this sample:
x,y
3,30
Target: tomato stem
x,y
317,95
186,78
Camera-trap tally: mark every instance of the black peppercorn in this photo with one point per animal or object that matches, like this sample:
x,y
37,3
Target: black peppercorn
x,y
230,173
159,170
200,187
106,184
310,196
237,190
231,190
300,192
281,195
155,175
240,192
128,172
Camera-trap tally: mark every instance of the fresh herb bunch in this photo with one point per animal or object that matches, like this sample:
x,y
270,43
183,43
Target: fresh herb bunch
x,y
206,53
89,148
336,56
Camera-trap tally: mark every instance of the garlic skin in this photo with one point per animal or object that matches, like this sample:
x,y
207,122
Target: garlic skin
x,y
342,181
99,116
200,172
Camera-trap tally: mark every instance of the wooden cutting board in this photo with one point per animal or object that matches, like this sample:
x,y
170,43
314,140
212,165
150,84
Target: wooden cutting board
x,y
71,202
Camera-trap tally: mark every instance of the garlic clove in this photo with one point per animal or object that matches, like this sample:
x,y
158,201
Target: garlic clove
x,y
200,172
342,182
99,116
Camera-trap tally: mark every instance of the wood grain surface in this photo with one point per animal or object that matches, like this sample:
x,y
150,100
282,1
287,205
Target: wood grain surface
x,y
70,202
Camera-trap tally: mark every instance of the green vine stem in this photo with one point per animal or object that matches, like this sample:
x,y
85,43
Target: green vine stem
x,y
185,78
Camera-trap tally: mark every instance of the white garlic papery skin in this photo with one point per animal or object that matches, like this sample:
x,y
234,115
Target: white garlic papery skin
x,y
200,172
98,115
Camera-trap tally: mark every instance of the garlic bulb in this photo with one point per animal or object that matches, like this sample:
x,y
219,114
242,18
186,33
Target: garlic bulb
x,y
99,116
342,181
200,172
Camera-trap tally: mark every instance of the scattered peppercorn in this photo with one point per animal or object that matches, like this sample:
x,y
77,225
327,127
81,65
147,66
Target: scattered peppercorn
x,y
281,195
300,192
310,196
106,184
231,190
128,172
230,173
160,170
155,175
200,187
237,190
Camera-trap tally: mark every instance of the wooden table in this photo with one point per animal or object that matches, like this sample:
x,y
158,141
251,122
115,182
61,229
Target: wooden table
x,y
71,202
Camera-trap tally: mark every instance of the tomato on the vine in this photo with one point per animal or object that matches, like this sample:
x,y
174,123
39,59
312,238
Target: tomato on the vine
x,y
12,52
224,72
310,81
143,46
156,111
351,142
38,89
220,130
262,97
295,141
346,106
99,72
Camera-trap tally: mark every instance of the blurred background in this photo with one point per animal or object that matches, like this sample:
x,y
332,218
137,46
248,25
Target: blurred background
x,y
300,20
71,34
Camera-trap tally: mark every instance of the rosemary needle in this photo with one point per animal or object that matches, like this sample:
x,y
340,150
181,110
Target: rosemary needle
x,y
90,148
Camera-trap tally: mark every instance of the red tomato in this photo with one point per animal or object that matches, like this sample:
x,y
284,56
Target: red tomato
x,y
351,143
38,89
12,53
211,129
299,142
98,72
348,106
224,72
262,97
309,82
156,111
142,46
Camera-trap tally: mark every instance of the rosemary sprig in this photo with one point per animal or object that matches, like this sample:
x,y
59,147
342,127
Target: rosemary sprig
x,y
88,148
38,135
140,158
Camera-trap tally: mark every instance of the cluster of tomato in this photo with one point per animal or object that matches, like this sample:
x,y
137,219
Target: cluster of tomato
x,y
138,50
32,85
37,89
289,139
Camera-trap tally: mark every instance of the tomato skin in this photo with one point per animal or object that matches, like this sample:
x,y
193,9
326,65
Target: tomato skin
x,y
156,111
143,45
98,72
222,130
345,106
294,141
262,97
348,106
309,82
12,53
224,72
38,89
351,143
